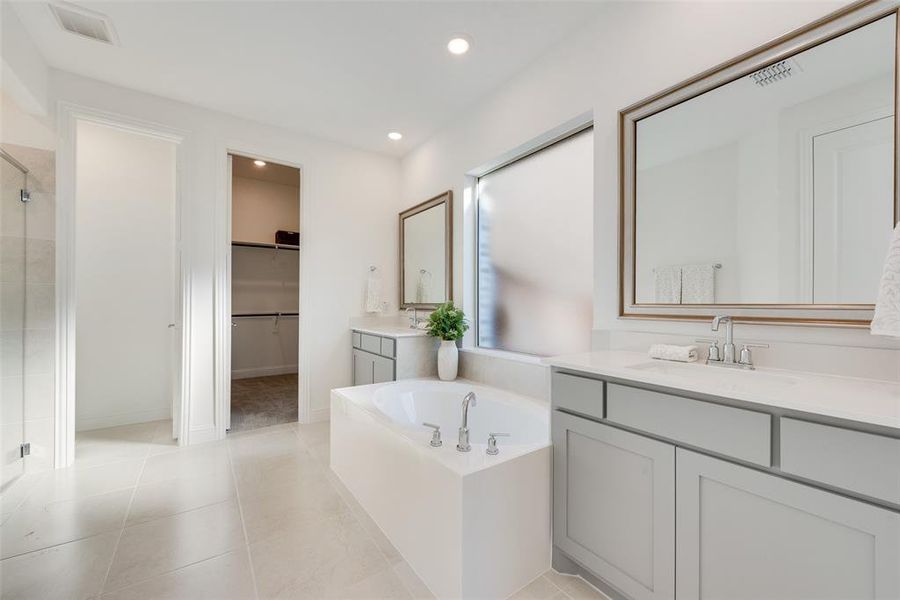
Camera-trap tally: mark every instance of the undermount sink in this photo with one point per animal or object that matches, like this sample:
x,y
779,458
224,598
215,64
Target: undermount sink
x,y
727,378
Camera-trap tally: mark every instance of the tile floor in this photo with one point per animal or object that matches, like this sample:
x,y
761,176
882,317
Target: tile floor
x,y
258,515
263,401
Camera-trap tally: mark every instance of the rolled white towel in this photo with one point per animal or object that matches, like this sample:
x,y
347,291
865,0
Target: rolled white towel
x,y
676,353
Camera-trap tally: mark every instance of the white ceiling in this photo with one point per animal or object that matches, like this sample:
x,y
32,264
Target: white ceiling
x,y
345,71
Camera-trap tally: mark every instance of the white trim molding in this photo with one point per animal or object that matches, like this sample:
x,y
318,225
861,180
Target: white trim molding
x,y
63,415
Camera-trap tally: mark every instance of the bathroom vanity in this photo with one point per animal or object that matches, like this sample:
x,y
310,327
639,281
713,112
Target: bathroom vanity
x,y
687,481
384,353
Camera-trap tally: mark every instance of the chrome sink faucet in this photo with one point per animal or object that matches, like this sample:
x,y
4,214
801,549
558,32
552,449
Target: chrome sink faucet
x,y
728,355
728,347
469,400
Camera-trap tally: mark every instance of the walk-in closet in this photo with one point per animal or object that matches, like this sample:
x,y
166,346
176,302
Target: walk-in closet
x,y
265,268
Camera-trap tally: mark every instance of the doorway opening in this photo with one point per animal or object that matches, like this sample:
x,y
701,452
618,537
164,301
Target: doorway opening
x,y
126,269
265,293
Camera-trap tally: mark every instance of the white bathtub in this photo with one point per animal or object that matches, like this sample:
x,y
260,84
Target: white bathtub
x,y
471,525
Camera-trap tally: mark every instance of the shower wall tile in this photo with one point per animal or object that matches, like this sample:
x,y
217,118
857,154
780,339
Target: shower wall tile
x,y
12,306
11,353
40,260
27,312
39,308
12,401
39,352
38,396
12,259
39,433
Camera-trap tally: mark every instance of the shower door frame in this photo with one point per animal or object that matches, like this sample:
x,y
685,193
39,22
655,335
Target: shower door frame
x,y
69,115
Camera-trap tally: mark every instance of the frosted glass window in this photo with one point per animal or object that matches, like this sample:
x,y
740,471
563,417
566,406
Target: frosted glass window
x,y
535,251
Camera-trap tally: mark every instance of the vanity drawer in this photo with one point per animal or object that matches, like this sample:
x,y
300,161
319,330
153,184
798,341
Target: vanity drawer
x,y
735,432
578,394
370,343
357,343
861,462
388,347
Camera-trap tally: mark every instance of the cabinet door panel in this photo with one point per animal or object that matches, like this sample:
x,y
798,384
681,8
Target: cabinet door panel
x,y
383,369
363,368
743,534
614,510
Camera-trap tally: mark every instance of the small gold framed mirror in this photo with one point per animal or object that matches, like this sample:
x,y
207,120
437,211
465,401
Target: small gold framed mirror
x,y
426,258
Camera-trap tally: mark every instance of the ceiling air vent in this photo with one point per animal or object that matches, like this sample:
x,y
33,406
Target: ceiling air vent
x,y
84,22
775,72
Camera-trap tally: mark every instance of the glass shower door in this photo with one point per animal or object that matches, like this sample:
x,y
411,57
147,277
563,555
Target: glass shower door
x,y
13,180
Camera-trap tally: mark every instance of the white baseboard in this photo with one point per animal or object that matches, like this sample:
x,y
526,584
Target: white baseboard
x,y
88,422
262,371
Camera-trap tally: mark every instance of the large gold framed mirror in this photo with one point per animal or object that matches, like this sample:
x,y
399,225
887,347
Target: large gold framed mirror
x,y
426,257
767,186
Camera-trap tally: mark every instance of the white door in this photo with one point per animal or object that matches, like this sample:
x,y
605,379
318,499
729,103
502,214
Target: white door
x,y
853,204
747,535
125,252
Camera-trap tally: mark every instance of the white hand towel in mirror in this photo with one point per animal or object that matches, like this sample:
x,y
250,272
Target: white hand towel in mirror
x,y
667,285
887,309
698,284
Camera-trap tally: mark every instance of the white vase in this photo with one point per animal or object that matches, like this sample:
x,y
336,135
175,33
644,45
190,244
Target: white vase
x,y
448,360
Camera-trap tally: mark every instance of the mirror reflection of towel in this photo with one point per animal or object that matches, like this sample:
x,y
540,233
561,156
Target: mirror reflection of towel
x,y
423,285
698,284
667,285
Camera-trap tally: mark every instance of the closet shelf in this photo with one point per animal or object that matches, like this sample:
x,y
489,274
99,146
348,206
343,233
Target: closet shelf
x,y
269,246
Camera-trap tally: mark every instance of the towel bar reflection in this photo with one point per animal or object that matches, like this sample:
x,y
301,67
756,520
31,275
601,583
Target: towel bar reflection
x,y
714,266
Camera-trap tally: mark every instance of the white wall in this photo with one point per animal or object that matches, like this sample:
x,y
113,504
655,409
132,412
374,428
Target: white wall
x,y
350,201
260,208
24,72
634,50
124,277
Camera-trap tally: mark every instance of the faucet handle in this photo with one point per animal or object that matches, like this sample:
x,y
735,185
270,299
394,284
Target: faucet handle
x,y
492,443
435,435
712,353
746,356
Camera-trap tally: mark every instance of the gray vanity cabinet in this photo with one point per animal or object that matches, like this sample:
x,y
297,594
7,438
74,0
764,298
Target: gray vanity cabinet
x,y
614,505
382,358
363,367
371,368
747,534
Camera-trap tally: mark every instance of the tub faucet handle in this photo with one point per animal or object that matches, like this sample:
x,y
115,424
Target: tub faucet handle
x,y
492,448
435,435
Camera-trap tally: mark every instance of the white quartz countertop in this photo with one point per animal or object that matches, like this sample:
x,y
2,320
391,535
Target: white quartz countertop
x,y
867,401
392,331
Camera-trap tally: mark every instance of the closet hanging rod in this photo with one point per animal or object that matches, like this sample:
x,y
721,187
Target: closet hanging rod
x,y
269,246
267,314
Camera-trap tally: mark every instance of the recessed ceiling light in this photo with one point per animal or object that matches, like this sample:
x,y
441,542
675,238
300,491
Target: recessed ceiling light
x,y
458,45
395,135
259,163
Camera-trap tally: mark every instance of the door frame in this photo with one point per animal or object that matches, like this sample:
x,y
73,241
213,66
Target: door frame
x,y
63,417
222,286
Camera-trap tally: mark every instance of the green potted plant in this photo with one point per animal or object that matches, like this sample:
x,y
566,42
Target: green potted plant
x,y
449,324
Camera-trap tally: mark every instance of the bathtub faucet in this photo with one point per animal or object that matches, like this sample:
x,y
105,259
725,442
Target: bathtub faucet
x,y
469,400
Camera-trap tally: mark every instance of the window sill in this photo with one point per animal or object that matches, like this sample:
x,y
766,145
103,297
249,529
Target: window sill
x,y
506,355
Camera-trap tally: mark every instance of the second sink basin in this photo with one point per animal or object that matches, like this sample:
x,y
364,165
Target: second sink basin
x,y
726,378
